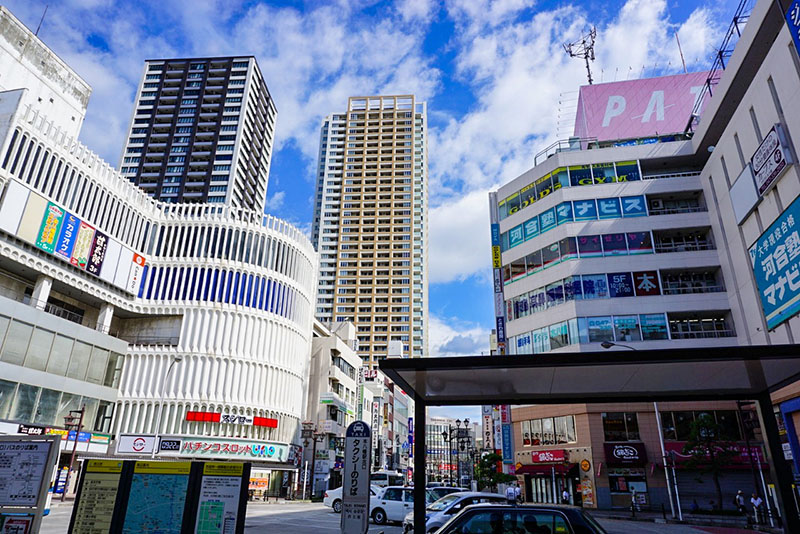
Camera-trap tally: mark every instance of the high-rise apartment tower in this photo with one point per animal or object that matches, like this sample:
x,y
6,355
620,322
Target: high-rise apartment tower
x,y
202,131
370,224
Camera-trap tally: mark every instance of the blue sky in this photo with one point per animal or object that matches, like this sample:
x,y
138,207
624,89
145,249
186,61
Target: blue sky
x,y
492,74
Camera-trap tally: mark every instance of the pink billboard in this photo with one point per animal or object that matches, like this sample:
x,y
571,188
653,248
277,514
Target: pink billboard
x,y
637,108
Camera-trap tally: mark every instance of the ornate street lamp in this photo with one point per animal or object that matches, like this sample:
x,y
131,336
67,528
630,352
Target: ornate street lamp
x,y
309,433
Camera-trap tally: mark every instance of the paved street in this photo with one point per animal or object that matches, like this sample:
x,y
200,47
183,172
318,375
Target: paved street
x,y
303,518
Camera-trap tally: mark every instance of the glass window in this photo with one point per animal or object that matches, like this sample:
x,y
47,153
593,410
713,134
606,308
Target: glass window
x,y
640,242
518,269
502,208
590,246
526,433
26,400
560,178
620,285
614,245
97,367
541,340
580,175
614,426
538,300
683,424
47,407
516,236
559,336
531,227
19,334
626,328
69,402
6,397
595,286
627,171
544,187
506,273
59,355
548,431
392,494
513,203
79,362
533,262
39,349
654,326
555,294
600,329
4,322
572,288
728,420
561,430
527,196
668,425
569,248
114,370
572,435
551,255
603,173
536,432
632,426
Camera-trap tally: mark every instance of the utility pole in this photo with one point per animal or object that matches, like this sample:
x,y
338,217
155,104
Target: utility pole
x,y
583,48
73,421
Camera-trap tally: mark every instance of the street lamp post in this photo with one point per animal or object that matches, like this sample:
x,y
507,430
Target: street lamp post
x,y
460,435
310,433
175,359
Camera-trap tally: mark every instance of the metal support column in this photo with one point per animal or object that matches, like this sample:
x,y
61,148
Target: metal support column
x,y
782,478
420,457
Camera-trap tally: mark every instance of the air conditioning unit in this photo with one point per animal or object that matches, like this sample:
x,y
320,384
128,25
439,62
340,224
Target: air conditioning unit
x,y
656,204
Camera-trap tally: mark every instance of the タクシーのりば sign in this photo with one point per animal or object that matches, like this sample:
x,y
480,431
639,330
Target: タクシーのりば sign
x,y
355,487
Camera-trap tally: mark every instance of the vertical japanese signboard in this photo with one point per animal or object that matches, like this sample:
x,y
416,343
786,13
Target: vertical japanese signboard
x,y
776,264
793,21
355,486
497,266
771,159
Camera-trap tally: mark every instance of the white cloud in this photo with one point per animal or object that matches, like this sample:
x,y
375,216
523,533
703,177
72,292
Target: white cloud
x,y
450,336
275,201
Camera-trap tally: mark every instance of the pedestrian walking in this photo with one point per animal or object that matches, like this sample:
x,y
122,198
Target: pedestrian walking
x,y
739,502
511,494
517,493
565,496
758,508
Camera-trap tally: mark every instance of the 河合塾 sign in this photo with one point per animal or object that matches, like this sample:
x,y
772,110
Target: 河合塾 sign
x,y
776,263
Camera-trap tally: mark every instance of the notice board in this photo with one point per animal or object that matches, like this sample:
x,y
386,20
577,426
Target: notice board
x,y
129,496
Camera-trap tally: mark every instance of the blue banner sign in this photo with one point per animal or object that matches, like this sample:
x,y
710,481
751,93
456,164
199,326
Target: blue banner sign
x,y
793,20
508,452
776,264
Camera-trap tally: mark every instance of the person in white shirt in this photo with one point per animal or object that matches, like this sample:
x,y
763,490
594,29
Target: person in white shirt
x,y
565,496
511,494
517,492
758,508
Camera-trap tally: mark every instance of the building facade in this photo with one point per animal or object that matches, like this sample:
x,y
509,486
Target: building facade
x,y
202,132
452,450
679,238
371,223
332,400
183,331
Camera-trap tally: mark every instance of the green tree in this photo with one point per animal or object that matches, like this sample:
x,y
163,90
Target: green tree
x,y
487,475
710,450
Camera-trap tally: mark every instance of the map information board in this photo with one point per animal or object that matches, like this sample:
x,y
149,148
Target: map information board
x,y
157,498
98,496
22,469
218,505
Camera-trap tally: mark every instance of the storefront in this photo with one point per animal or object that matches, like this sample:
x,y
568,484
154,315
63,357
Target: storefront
x,y
546,474
627,476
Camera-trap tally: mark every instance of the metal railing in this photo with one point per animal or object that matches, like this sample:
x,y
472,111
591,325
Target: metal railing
x,y
64,313
687,289
670,175
702,334
673,211
566,145
140,339
686,247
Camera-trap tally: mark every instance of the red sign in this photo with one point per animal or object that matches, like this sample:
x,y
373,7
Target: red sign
x,y
216,417
742,458
545,457
646,283
505,414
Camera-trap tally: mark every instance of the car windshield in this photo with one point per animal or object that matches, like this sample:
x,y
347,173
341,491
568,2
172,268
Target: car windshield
x,y
593,522
443,503
441,492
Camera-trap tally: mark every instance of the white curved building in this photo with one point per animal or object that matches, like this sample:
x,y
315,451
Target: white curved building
x,y
228,291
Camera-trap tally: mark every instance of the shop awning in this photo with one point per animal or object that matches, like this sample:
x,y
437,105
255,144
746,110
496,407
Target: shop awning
x,y
544,469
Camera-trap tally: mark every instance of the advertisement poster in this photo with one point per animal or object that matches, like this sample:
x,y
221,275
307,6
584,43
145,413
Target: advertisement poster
x,y
157,497
646,283
620,285
587,492
66,238
98,253
51,224
22,468
218,505
98,496
585,210
83,246
633,206
609,208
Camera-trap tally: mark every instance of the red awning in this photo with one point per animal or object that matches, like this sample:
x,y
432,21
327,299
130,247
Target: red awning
x,y
544,469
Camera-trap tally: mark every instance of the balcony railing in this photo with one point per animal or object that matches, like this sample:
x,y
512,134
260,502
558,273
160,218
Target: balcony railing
x,y
687,289
671,175
684,247
58,311
138,339
672,211
702,334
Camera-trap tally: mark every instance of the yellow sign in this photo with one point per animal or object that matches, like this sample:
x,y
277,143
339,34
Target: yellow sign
x,y
585,465
223,468
497,259
519,465
104,466
163,468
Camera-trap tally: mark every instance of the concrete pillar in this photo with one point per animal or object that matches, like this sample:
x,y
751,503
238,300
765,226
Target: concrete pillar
x,y
420,455
104,318
41,291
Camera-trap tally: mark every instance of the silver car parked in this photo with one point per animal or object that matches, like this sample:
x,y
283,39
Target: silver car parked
x,y
439,512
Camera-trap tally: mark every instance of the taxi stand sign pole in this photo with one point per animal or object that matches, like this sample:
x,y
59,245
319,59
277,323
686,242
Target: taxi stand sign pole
x,y
37,511
355,492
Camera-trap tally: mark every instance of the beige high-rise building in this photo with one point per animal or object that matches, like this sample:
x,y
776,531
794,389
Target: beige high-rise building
x,y
370,224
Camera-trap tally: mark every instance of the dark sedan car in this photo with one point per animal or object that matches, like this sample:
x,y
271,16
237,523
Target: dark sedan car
x,y
522,519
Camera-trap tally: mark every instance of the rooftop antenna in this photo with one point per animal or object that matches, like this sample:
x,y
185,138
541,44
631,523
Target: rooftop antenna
x,y
583,48
39,27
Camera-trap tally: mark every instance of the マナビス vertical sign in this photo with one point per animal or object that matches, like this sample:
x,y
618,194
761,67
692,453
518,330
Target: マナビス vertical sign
x,y
355,485
793,20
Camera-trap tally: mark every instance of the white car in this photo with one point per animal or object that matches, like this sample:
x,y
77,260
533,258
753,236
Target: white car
x,y
440,512
333,497
395,503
